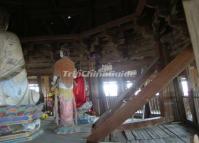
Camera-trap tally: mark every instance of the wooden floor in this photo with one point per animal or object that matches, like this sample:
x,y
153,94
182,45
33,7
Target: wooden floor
x,y
166,133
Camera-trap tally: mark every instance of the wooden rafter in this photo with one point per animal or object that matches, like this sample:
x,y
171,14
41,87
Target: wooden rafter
x,y
75,37
160,81
98,29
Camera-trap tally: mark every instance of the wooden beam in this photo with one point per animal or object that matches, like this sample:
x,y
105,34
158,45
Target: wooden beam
x,y
132,64
37,68
117,22
139,81
140,7
190,74
114,23
136,102
54,38
39,72
142,123
76,37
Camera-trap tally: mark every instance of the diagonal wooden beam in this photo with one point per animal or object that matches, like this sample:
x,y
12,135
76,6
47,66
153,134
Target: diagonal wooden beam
x,y
160,81
139,82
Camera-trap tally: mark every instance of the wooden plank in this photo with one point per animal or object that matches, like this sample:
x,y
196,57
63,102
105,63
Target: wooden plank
x,y
131,106
143,134
152,133
129,135
170,134
177,130
142,124
154,141
115,136
137,135
159,132
121,138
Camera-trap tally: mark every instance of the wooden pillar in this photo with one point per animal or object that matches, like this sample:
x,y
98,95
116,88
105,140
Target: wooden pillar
x,y
147,111
192,91
45,87
103,100
191,8
181,116
168,102
95,95
41,100
163,61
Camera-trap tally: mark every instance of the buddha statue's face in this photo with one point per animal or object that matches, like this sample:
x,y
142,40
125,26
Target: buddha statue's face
x,y
4,20
61,53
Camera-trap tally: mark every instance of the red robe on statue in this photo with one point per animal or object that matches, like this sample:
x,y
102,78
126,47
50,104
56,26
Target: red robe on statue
x,y
79,91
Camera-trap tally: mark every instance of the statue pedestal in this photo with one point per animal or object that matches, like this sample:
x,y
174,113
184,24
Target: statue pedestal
x,y
19,123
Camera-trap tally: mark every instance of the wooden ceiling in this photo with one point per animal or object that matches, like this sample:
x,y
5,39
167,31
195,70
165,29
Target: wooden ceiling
x,y
49,17
126,33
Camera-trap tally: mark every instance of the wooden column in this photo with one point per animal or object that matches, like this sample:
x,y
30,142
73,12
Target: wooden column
x,y
191,8
192,91
41,100
179,100
169,103
103,99
45,87
94,93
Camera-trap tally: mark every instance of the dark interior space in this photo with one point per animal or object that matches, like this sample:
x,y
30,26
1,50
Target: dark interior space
x,y
89,71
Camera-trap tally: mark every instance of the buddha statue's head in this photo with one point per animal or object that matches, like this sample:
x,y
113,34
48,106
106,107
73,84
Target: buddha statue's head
x,y
4,19
64,51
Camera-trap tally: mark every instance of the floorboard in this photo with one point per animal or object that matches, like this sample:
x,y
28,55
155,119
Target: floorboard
x,y
165,133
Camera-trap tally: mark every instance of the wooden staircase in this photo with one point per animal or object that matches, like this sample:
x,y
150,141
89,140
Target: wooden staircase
x,y
116,117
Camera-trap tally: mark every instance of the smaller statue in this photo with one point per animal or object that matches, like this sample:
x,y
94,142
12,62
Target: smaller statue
x,y
65,107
